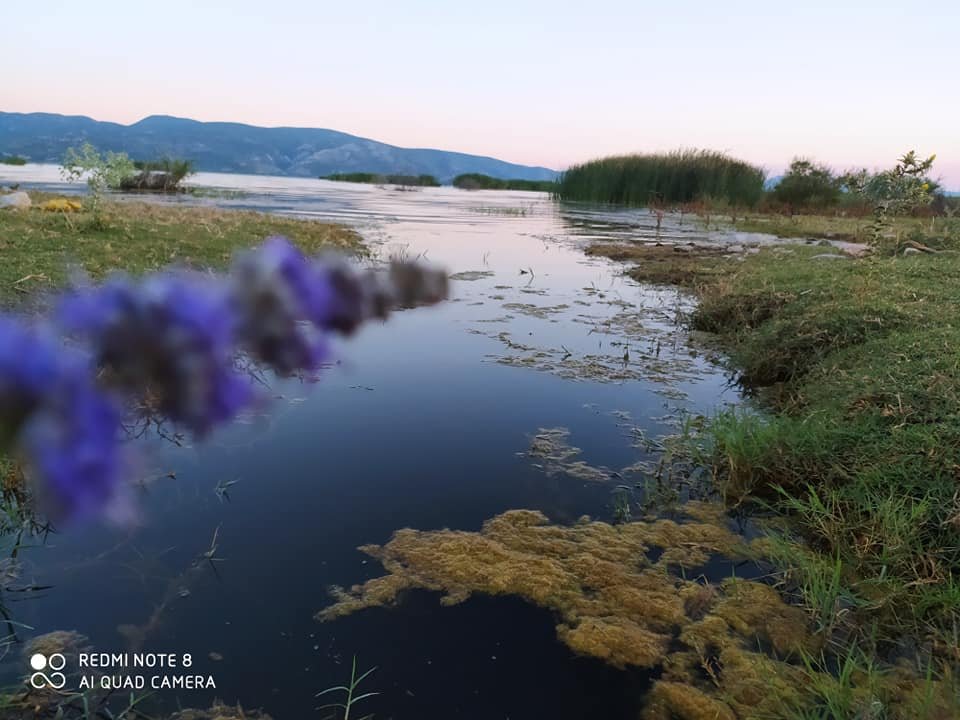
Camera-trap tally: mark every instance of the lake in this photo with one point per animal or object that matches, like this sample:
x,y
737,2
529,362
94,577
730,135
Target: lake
x,y
424,422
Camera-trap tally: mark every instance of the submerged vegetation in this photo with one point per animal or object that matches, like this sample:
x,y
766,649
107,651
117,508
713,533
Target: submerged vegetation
x,y
478,181
728,650
382,179
682,176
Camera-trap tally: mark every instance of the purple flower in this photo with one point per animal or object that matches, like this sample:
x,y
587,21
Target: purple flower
x,y
280,296
170,339
72,447
54,416
29,364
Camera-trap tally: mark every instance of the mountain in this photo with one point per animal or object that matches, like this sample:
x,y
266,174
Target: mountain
x,y
233,147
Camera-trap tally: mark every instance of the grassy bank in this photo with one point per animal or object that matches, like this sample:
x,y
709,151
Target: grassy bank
x,y
856,364
38,245
683,176
848,227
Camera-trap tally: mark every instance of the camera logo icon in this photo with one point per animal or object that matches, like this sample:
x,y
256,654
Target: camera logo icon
x,y
55,662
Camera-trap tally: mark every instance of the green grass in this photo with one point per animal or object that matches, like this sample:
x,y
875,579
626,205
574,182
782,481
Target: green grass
x,y
682,176
478,181
858,364
380,179
12,160
939,231
38,246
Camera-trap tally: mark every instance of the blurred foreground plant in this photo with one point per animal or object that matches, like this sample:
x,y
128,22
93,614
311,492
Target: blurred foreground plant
x,y
174,341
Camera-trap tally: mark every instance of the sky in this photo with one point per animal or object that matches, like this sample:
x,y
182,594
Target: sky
x,y
844,82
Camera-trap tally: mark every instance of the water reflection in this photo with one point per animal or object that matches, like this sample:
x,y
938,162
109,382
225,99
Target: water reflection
x,y
424,422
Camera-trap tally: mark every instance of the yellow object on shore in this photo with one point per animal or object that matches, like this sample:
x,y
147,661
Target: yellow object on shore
x,y
61,205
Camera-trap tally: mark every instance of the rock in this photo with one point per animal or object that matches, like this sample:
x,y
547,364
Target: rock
x,y
857,250
15,200
911,251
830,256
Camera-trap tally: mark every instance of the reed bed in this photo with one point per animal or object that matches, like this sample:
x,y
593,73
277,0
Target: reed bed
x,y
681,176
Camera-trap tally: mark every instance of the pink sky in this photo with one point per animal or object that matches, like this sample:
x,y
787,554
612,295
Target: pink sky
x,y
848,83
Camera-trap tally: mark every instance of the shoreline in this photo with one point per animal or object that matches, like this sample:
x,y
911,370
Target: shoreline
x,y
859,446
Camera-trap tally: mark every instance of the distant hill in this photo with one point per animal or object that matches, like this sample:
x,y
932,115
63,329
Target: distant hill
x,y
233,147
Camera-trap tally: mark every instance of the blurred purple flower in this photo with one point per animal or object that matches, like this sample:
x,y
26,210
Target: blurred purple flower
x,y
29,365
169,338
62,425
281,297
72,447
172,340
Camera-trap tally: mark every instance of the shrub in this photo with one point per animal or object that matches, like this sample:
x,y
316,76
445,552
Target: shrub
x,y
807,185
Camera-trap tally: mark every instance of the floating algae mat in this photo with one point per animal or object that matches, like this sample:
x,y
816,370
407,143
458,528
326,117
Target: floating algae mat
x,y
726,650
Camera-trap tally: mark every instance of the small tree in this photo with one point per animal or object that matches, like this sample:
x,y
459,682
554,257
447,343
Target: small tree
x,y
904,188
807,184
102,172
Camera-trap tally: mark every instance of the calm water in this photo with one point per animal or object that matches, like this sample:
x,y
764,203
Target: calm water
x,y
423,422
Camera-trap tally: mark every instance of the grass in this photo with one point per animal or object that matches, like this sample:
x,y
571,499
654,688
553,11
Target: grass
x,y
852,228
855,367
380,179
38,246
682,176
857,362
478,181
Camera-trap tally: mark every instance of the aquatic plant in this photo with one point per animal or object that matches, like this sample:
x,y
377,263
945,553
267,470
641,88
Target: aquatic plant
x,y
681,176
170,342
351,697
727,650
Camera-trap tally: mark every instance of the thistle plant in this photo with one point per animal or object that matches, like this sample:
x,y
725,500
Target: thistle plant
x,y
174,341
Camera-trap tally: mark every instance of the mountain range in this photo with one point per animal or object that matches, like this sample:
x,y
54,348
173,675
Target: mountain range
x,y
234,147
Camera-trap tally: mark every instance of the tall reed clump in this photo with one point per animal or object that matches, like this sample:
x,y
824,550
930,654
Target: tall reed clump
x,y
680,176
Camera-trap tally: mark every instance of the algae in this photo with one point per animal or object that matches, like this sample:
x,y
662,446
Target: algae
x,y
727,650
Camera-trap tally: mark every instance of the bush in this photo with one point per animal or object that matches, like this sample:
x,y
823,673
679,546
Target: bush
x,y
807,185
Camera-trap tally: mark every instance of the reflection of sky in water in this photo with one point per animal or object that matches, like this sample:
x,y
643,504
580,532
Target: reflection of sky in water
x,y
419,424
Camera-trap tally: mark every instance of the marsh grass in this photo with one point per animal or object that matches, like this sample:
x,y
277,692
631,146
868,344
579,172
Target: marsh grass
x,y
856,359
39,246
681,176
664,264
